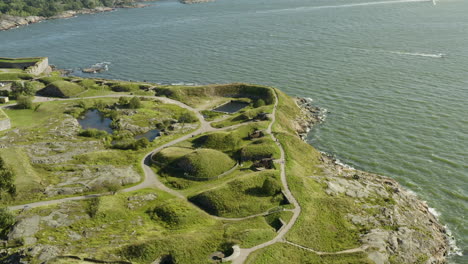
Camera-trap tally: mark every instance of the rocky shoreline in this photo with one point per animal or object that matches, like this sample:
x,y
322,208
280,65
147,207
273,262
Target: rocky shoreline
x,y
9,22
397,226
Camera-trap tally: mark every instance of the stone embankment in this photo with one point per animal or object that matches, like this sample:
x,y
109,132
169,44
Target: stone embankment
x,y
398,227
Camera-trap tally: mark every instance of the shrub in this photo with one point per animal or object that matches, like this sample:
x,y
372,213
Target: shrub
x,y
7,181
24,102
19,88
92,206
187,118
259,103
94,133
132,144
89,84
123,101
7,220
134,103
125,87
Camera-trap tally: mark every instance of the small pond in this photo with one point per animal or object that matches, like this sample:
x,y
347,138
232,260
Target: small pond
x,y
95,119
150,135
231,107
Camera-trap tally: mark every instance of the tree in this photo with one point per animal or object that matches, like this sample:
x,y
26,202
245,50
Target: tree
x,y
24,102
134,103
19,88
123,101
186,118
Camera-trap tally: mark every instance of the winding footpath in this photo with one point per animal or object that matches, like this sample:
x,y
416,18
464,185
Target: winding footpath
x,y
151,180
245,252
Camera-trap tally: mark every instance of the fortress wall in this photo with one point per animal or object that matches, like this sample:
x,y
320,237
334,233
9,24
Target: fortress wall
x,y
36,68
40,67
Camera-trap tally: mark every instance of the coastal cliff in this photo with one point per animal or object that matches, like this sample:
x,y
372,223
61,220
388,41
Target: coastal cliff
x,y
399,228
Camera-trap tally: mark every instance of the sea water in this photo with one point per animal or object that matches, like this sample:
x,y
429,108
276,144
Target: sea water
x,y
392,74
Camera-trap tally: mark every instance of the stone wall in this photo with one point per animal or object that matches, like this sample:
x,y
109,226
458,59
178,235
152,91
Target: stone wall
x,y
5,124
36,67
40,67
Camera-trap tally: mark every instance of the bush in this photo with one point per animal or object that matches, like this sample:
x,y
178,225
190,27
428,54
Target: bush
x,y
134,103
132,144
187,117
94,133
7,181
125,87
89,84
92,206
7,220
259,103
24,102
123,101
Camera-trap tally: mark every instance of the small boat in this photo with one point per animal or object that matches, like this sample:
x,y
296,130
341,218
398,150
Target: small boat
x,y
434,2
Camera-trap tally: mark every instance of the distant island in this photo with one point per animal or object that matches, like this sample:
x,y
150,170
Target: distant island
x,y
108,171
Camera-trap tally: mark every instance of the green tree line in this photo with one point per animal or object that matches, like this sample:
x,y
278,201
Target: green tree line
x,y
48,8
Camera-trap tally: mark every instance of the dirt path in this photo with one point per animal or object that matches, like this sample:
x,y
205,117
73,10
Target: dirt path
x,y
321,253
245,252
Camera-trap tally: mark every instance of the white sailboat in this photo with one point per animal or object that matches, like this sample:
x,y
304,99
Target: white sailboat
x,y
434,2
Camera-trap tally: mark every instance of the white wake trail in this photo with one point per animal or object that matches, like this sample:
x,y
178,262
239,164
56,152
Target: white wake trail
x,y
429,55
310,8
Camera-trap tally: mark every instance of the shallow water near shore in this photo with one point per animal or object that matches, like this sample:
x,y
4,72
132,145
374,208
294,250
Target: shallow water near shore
x,y
392,74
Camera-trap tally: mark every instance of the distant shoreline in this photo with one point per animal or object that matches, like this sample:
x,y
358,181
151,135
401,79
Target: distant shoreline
x,y
9,22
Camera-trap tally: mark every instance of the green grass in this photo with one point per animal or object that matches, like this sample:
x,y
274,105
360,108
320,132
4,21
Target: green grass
x,y
259,149
223,141
191,94
182,231
202,164
51,79
240,197
20,60
250,232
10,76
27,182
283,253
169,155
62,89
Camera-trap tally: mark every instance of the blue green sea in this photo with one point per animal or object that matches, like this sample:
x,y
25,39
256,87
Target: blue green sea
x,y
393,74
